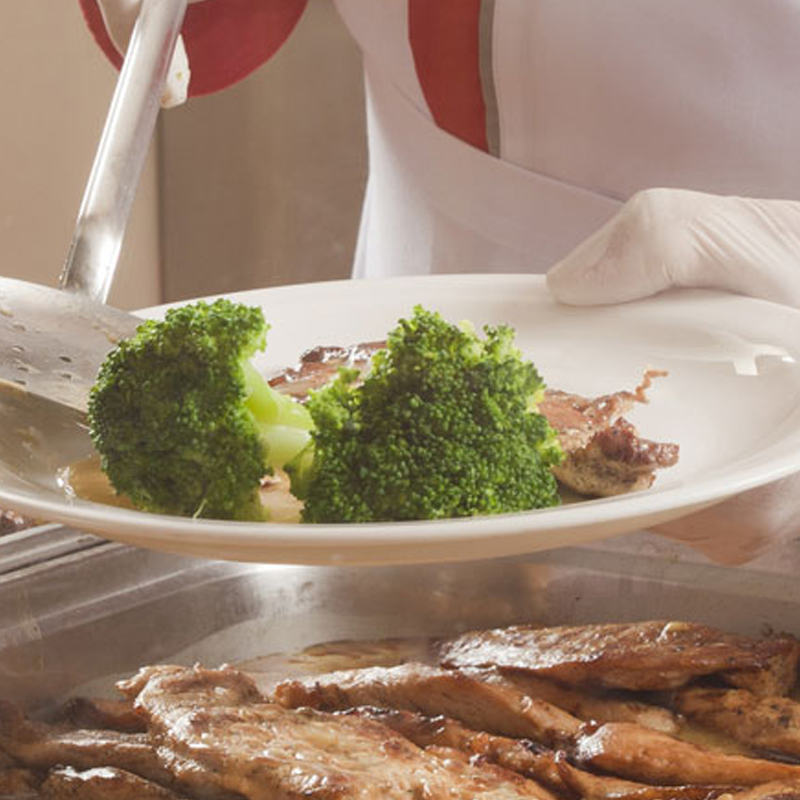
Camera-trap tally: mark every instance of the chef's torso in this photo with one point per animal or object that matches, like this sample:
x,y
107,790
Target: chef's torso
x,y
503,131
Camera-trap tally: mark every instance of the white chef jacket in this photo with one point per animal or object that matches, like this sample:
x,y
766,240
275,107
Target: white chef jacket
x,y
586,103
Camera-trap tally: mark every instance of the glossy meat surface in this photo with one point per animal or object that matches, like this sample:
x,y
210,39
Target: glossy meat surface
x,y
639,656
215,731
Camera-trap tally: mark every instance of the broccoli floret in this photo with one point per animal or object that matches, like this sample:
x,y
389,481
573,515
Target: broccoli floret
x,y
183,422
444,425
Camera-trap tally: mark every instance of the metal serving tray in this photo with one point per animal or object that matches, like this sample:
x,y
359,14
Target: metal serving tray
x,y
75,623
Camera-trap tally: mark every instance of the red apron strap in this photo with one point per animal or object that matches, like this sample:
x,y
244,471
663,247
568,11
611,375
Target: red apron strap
x,y
446,38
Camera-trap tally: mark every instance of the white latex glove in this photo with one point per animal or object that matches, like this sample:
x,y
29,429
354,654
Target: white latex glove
x,y
663,238
120,17
672,237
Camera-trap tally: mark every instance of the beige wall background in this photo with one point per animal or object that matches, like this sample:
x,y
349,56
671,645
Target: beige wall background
x,y
259,185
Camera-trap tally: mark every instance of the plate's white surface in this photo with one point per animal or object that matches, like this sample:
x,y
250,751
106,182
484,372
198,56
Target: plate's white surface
x,y
732,402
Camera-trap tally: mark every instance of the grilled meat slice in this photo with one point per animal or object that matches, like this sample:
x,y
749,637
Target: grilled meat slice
x,y
776,790
584,704
768,724
116,715
319,366
589,786
641,754
18,784
215,732
778,677
40,746
604,455
546,767
432,691
615,461
101,783
579,419
637,656
517,755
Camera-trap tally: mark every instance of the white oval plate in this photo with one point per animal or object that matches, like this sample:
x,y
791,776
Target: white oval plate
x,y
731,401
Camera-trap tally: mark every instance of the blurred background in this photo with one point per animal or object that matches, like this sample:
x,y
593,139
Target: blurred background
x,y
257,186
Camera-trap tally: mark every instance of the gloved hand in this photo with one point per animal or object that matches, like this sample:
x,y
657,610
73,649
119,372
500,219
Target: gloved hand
x,y
664,238
119,17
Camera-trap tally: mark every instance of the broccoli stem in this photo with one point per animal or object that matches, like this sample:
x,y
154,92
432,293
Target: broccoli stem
x,y
283,424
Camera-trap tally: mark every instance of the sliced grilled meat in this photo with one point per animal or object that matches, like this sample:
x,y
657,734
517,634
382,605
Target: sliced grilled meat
x,y
546,767
641,754
101,783
214,732
432,691
769,724
778,677
638,656
777,790
615,461
37,745
116,715
18,784
584,704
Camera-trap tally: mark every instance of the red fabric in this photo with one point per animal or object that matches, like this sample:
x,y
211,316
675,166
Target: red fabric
x,y
445,41
225,39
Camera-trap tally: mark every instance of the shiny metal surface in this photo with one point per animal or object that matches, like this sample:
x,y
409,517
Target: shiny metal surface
x,y
131,120
53,342
75,623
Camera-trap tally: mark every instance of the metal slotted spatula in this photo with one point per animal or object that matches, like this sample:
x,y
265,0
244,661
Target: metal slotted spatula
x,y
52,341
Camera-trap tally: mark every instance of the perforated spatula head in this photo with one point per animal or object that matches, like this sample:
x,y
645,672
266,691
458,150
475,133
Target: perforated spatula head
x,y
53,342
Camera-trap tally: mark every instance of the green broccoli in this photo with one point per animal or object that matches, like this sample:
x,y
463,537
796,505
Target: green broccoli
x,y
183,422
444,425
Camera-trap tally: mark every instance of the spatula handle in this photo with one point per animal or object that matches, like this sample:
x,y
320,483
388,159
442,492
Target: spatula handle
x,y
118,164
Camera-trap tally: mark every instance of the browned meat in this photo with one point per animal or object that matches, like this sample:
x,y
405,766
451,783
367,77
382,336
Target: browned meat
x,y
638,656
615,461
40,746
117,715
584,704
534,761
640,754
768,723
432,691
517,755
578,419
18,784
778,677
101,783
215,733
777,790
319,366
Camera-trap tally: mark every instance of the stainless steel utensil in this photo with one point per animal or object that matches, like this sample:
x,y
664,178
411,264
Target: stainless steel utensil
x,y
52,341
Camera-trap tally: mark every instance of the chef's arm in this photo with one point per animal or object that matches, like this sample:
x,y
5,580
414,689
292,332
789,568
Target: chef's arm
x,y
664,238
222,41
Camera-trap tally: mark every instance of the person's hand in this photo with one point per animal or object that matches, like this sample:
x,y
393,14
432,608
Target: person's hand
x,y
664,238
119,17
